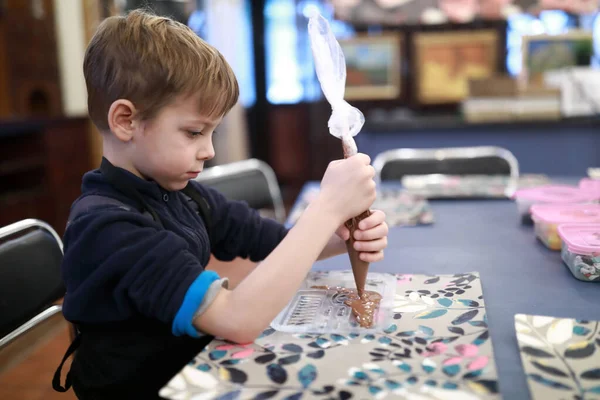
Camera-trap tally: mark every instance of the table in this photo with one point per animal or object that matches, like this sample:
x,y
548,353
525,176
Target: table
x,y
518,274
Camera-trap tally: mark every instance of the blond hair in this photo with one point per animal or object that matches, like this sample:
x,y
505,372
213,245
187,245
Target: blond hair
x,y
150,60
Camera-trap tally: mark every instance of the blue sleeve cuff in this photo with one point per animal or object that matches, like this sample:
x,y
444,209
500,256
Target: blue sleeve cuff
x,y
182,324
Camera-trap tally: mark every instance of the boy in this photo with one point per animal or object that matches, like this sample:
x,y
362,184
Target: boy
x,y
141,233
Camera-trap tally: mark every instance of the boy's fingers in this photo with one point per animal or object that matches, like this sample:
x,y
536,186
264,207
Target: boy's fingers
x,y
363,158
377,232
372,245
371,257
376,218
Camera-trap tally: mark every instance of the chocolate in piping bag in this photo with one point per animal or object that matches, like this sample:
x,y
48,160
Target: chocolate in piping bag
x,y
345,121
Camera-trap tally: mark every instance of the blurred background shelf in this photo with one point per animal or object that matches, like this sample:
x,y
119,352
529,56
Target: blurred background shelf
x,y
457,122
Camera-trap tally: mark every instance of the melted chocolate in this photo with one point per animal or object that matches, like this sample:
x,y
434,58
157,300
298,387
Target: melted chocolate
x,y
363,307
360,268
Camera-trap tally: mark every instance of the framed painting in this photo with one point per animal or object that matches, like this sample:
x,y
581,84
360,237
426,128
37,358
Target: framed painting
x,y
373,67
543,53
445,61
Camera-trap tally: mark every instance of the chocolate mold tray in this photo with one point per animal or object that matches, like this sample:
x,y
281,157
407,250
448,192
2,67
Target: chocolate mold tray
x,y
321,310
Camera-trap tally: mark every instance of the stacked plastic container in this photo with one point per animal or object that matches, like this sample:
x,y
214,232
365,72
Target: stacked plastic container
x,y
581,250
551,194
548,217
590,185
567,218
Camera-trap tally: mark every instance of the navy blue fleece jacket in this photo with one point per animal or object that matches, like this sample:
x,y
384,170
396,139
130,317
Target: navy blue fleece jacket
x,y
120,264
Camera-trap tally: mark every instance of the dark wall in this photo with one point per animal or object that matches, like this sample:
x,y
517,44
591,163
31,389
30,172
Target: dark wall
x,y
550,148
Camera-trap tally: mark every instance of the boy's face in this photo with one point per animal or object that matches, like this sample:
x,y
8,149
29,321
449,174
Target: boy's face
x,y
171,148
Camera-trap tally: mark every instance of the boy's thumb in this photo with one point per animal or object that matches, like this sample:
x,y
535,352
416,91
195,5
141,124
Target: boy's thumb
x,y
343,233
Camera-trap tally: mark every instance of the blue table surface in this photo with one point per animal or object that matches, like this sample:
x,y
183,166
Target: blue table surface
x,y
518,274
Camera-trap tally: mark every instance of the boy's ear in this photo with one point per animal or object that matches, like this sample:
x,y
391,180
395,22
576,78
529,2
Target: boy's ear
x,y
121,119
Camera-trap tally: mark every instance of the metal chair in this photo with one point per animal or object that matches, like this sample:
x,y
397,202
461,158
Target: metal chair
x,y
250,180
395,164
30,281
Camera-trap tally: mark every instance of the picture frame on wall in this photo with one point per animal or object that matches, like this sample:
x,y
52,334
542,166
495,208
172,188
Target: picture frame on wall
x,y
542,53
445,61
373,66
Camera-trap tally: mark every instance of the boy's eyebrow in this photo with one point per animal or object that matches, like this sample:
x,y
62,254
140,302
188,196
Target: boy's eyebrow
x,y
204,121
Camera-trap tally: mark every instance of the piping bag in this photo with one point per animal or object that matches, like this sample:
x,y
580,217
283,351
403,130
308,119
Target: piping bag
x,y
345,121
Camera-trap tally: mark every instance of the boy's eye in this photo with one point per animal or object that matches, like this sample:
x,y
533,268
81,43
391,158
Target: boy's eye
x,y
194,133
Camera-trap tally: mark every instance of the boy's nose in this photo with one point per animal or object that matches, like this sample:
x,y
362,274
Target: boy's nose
x,y
207,153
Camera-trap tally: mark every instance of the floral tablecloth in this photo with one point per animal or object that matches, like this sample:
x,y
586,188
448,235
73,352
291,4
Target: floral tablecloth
x,y
438,347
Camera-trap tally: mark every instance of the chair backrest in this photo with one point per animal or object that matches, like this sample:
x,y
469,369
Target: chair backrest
x,y
250,180
30,281
395,164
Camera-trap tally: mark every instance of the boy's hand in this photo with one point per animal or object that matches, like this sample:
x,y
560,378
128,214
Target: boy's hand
x,y
371,236
347,188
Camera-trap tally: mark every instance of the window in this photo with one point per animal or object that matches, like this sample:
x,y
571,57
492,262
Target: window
x,y
290,71
237,51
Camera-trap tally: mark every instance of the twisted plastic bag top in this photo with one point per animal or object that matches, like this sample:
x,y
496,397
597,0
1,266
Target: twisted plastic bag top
x,y
345,121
